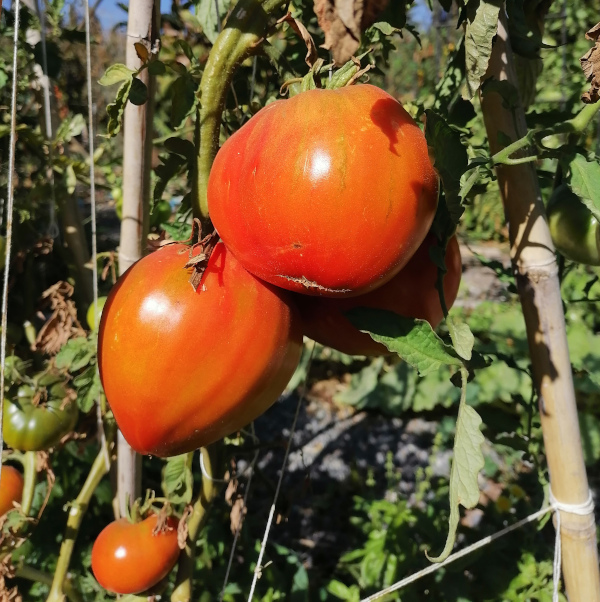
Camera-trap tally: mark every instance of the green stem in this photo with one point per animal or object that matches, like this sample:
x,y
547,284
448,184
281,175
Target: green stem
x,y
574,126
30,478
184,582
26,572
244,31
76,512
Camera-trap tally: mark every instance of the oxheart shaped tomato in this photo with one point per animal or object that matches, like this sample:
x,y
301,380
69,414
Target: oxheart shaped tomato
x,y
182,368
129,558
411,293
11,488
328,193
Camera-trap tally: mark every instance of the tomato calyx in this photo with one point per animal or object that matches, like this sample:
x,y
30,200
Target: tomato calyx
x,y
199,261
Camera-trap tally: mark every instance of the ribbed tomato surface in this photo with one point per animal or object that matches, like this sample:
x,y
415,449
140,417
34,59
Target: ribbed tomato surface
x,y
183,368
327,193
411,293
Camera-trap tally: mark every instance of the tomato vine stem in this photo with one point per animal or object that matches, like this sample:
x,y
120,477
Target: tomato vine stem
x,y
77,511
30,477
210,489
242,35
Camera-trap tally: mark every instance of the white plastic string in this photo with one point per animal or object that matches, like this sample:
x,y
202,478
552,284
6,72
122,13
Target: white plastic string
x,y
52,226
9,217
584,509
259,567
90,99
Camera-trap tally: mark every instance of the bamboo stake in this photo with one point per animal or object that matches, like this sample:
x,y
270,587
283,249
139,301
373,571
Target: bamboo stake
x,y
536,273
143,27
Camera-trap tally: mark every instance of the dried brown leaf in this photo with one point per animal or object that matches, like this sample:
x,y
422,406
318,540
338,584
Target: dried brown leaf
x,y
298,27
343,21
237,514
182,528
590,63
62,324
8,594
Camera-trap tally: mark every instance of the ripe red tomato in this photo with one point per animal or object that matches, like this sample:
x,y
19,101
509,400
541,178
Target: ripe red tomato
x,y
128,558
411,293
11,488
183,368
328,193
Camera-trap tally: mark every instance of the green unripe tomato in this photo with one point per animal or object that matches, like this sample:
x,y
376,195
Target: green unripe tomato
x,y
573,228
94,320
160,214
31,427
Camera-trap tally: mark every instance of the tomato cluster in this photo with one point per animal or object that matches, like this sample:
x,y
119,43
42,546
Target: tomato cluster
x,y
329,194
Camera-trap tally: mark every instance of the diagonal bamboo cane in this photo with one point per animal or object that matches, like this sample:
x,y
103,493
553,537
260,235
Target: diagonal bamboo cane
x,y
536,273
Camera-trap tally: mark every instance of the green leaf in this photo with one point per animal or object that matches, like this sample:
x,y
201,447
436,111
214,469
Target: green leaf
x,y
68,352
413,340
362,385
116,109
462,337
115,74
156,68
589,426
177,480
183,94
209,20
584,181
138,94
466,464
482,24
449,157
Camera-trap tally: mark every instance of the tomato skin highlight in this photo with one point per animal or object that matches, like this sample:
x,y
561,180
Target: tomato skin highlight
x,y
183,368
411,293
328,193
11,488
574,229
127,558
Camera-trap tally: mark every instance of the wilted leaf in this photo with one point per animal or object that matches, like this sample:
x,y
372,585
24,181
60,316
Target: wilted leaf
x,y
466,464
482,24
584,181
177,479
590,63
343,21
413,340
116,109
300,29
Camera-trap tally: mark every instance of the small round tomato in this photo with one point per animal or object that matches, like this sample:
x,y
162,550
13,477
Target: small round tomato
x,y
38,418
129,558
328,193
11,488
182,368
574,229
92,319
411,293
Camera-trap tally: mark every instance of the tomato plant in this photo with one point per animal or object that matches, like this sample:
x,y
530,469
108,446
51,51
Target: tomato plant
x,y
129,558
39,416
574,229
182,368
411,293
160,213
11,488
328,193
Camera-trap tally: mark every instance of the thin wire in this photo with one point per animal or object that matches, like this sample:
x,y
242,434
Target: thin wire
x,y
88,51
9,218
259,567
52,227
239,525
453,557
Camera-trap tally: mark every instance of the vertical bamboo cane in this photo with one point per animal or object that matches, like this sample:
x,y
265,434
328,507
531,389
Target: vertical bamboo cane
x,y
534,264
142,26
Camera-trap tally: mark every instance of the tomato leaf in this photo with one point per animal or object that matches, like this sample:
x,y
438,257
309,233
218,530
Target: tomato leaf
x,y
116,109
482,24
413,340
116,74
177,480
466,464
449,159
584,181
462,337
184,100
